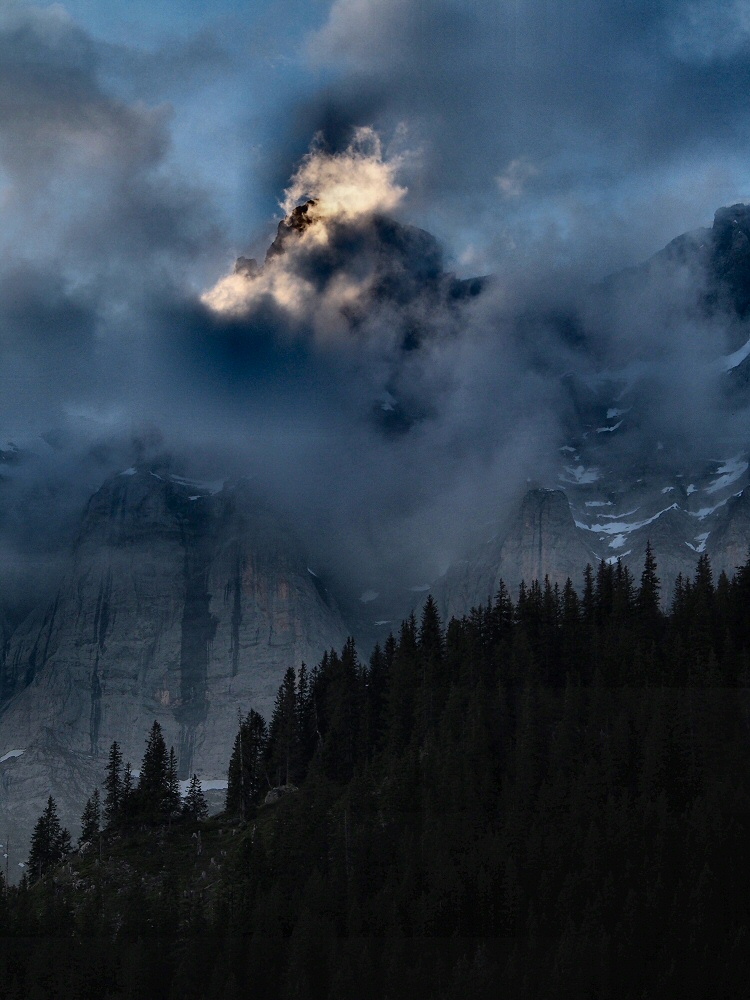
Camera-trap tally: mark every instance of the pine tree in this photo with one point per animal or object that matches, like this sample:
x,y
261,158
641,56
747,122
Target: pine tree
x,y
305,718
153,783
195,806
246,779
432,656
172,800
341,693
127,798
50,842
113,786
648,598
405,676
377,687
283,733
91,819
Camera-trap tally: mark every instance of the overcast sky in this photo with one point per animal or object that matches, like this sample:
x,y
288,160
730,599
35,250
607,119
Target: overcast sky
x,y
144,146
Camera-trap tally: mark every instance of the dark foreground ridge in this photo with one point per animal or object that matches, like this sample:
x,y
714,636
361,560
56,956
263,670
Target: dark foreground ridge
x,y
547,798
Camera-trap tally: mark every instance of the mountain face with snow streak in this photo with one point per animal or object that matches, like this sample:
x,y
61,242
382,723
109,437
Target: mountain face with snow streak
x,y
184,602
617,485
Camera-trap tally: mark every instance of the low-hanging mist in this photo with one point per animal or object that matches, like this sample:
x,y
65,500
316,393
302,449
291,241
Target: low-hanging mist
x,y
389,408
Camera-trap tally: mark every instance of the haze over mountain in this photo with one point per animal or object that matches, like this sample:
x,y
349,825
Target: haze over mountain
x,y
537,385
183,600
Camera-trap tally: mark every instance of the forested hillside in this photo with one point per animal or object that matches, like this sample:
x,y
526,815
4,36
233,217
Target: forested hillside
x,y
547,798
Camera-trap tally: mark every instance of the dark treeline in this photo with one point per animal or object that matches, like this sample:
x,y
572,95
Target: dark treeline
x,y
549,797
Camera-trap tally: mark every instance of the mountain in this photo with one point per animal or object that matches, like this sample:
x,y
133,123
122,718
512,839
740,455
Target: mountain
x,y
540,540
615,487
182,603
186,602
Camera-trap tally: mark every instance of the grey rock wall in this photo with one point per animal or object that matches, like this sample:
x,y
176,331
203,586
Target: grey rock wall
x,y
178,605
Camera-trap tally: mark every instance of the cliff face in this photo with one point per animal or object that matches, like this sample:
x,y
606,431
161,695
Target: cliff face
x,y
543,538
730,546
178,605
540,540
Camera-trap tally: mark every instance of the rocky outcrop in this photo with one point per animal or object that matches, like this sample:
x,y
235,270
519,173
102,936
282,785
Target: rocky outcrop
x,y
274,794
293,225
179,605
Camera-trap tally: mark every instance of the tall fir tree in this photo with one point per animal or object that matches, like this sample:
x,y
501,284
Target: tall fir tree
x,y
247,778
50,842
153,782
432,656
128,794
649,609
91,819
113,786
283,733
173,803
195,806
405,678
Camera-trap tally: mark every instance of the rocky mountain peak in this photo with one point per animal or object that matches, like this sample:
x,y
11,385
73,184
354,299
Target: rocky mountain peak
x,y
298,220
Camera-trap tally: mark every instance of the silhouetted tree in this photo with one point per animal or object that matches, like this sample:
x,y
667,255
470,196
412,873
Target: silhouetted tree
x,y
152,799
283,734
113,786
195,806
172,801
50,842
91,819
247,779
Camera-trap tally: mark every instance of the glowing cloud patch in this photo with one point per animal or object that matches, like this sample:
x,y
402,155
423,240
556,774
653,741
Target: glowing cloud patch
x,y
357,181
337,187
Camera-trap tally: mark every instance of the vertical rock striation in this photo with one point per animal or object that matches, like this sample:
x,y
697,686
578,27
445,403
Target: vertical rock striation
x,y
178,605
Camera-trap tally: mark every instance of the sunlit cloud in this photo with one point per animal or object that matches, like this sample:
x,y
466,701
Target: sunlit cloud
x,y
342,187
355,182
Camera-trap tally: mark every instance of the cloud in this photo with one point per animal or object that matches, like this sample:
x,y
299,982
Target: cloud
x,y
515,177
610,102
336,189
354,182
388,406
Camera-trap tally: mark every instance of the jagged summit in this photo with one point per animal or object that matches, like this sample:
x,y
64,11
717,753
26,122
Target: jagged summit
x,y
298,220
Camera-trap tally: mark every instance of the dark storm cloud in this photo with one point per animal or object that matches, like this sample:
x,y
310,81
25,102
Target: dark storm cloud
x,y
80,165
585,108
386,406
496,81
95,221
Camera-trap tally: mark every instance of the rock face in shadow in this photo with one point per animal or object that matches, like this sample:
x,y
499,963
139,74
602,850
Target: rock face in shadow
x,y
179,605
729,547
540,540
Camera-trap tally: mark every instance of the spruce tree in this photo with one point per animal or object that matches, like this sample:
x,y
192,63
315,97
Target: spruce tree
x,y
305,718
246,779
172,800
113,786
50,842
195,806
405,677
91,819
127,799
153,782
283,735
648,595
432,655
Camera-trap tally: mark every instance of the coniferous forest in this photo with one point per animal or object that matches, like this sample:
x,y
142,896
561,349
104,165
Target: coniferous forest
x,y
548,798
